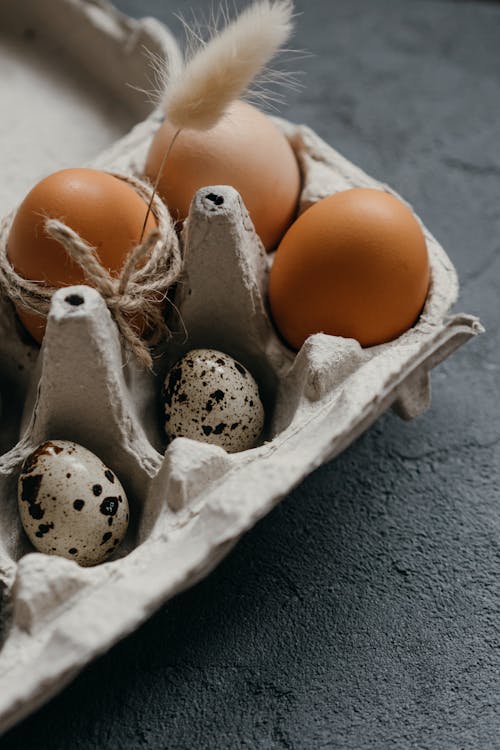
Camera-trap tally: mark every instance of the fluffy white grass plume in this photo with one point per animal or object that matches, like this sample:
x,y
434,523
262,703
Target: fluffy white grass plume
x,y
196,94
222,69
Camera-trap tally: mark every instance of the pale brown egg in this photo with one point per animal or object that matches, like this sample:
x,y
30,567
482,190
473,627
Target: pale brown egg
x,y
104,210
355,265
245,150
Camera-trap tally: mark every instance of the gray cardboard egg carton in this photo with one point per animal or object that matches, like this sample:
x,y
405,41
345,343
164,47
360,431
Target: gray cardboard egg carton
x,y
190,504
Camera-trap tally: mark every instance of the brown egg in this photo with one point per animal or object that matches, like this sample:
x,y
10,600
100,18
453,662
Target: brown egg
x,y
104,210
355,265
245,150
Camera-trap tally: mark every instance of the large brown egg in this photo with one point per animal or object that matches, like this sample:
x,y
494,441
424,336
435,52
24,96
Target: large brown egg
x,y
245,150
104,210
355,264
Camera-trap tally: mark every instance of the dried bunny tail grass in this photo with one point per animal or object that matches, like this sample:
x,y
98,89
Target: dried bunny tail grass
x,y
264,91
140,290
223,68
161,70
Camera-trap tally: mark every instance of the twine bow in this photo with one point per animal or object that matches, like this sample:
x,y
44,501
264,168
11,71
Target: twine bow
x,y
138,292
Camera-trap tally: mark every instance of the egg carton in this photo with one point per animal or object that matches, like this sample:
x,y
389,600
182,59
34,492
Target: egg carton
x,y
192,501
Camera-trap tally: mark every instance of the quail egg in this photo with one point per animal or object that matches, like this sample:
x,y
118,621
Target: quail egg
x,y
211,397
71,504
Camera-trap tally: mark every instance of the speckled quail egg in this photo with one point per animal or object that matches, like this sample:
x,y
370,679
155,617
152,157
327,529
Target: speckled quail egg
x,y
71,504
211,397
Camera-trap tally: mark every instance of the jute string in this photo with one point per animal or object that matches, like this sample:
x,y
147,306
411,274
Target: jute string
x,y
139,291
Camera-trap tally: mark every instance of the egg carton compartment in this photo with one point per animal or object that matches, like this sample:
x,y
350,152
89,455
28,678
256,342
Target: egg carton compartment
x,y
190,501
61,106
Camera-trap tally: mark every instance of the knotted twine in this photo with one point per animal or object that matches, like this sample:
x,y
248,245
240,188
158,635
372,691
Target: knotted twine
x,y
140,289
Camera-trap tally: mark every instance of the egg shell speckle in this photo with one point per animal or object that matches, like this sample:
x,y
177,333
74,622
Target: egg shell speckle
x,y
71,504
211,397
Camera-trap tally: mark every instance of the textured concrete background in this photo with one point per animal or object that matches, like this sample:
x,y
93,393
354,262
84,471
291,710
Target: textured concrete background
x,y
363,612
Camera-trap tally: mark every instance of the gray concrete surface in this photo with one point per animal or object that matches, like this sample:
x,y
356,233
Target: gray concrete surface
x,y
363,612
